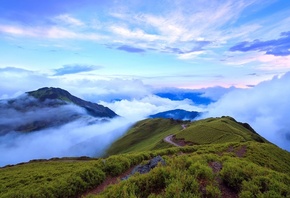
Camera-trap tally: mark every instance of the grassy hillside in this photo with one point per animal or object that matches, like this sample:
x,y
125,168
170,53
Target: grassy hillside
x,y
218,130
146,135
149,134
248,169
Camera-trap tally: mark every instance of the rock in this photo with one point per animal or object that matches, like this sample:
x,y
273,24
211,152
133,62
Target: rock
x,y
147,167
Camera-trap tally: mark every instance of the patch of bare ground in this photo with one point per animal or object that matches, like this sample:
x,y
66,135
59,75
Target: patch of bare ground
x,y
225,190
239,152
202,187
181,142
108,181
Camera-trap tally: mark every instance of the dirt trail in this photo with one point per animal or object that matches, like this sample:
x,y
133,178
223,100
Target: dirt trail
x,y
108,181
183,126
169,138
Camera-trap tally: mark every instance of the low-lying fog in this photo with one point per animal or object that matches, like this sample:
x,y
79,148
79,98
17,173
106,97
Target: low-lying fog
x,y
265,107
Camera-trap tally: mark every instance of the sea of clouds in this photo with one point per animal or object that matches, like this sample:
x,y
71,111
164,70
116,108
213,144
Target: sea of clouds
x,y
265,107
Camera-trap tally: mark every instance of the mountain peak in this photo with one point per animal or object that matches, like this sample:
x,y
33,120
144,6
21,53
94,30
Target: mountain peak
x,y
52,93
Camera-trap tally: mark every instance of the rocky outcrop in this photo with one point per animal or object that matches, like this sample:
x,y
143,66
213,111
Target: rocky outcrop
x,y
147,167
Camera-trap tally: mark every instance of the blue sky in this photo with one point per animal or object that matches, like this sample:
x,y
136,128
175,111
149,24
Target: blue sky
x,y
165,43
120,53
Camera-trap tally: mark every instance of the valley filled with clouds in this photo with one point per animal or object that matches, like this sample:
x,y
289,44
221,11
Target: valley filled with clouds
x,y
265,107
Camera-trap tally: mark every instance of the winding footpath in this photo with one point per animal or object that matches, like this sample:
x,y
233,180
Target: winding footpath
x,y
169,138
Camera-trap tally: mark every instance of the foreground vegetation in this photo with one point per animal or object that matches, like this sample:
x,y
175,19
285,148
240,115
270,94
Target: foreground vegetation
x,y
262,171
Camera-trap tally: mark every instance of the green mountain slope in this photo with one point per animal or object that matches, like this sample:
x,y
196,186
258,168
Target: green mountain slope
x,y
146,135
248,169
149,134
218,130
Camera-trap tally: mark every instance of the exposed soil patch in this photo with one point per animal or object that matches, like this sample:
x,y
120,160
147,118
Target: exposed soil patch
x,y
202,187
216,166
225,190
241,151
108,181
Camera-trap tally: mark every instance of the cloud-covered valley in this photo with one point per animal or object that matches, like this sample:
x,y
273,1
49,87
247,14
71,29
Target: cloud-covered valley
x,y
265,107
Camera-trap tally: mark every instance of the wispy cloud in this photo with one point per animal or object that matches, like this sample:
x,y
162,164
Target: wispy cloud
x,y
276,47
69,20
178,28
76,68
130,49
52,32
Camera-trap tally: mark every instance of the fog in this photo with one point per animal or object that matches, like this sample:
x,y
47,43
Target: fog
x,y
69,131
151,104
73,139
266,107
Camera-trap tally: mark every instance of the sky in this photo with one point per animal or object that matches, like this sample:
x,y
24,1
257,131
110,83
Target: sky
x,y
122,53
165,43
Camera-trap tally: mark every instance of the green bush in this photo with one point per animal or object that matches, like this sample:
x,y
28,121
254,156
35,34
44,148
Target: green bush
x,y
213,191
115,165
201,171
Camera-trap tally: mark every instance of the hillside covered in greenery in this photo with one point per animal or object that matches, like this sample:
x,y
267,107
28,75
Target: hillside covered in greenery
x,y
235,162
149,134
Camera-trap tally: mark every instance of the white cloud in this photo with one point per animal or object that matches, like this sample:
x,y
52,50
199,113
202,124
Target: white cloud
x,y
151,104
265,107
71,140
16,81
52,32
67,19
175,25
137,34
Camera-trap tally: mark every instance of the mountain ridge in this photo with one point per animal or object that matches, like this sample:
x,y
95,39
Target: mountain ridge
x,y
93,109
45,108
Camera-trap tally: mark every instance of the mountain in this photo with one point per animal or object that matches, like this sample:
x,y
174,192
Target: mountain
x,y
45,108
51,93
150,134
177,114
214,157
195,97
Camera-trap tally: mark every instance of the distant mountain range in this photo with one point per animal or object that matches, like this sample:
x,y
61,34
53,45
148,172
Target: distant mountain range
x,y
177,114
195,97
47,107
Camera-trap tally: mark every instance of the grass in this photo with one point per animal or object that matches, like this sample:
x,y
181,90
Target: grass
x,y
146,135
187,171
189,174
217,130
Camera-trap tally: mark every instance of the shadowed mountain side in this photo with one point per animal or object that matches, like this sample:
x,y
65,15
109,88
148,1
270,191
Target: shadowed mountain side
x,y
51,93
48,107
